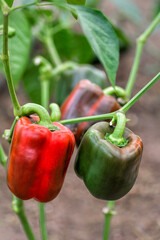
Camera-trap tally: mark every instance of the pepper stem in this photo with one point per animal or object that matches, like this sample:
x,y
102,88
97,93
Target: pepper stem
x,y
118,91
117,136
43,114
55,112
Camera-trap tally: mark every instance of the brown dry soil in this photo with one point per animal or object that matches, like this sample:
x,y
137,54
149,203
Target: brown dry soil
x,y
75,214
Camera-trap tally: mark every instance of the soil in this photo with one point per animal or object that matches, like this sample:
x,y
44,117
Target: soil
x,y
75,214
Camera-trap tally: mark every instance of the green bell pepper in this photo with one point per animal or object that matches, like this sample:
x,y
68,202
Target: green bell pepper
x,y
109,172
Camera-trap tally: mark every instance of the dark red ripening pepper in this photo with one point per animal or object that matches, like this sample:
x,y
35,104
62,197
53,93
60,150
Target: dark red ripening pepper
x,y
86,99
38,159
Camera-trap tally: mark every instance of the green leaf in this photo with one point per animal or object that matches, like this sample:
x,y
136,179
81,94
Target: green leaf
x,y
19,45
71,77
102,38
9,2
129,9
76,2
73,46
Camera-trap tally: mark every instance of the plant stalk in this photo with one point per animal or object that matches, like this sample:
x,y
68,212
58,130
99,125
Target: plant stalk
x,y
45,93
128,105
63,67
3,157
43,229
108,212
49,42
5,59
18,208
140,43
23,6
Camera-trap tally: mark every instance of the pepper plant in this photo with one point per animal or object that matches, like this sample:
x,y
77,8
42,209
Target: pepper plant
x,y
100,160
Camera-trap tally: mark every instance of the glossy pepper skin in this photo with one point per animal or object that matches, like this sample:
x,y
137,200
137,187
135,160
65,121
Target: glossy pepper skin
x,y
87,99
38,160
109,172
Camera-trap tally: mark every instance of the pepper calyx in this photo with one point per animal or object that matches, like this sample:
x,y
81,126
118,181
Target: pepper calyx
x,y
117,136
122,142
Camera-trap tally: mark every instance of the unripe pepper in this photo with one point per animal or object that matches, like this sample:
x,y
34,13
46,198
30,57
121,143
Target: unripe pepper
x,y
38,159
108,171
86,99
74,76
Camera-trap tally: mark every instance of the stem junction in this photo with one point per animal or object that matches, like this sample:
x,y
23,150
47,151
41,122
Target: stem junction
x,y
117,136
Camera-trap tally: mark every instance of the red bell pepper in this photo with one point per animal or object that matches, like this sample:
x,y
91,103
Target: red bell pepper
x,y
38,160
86,99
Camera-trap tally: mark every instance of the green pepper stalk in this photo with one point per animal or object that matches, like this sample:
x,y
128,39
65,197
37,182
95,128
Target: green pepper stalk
x,y
140,43
108,213
42,221
18,208
48,41
118,91
45,71
3,157
5,60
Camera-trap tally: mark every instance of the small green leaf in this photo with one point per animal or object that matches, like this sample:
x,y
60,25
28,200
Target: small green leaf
x,y
9,2
101,37
71,77
76,2
19,45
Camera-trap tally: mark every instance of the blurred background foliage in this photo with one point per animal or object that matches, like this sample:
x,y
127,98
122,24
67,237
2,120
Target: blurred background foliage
x,y
33,23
